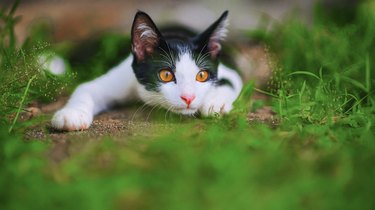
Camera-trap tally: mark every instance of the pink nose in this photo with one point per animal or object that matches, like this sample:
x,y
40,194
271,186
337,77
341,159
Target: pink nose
x,y
188,99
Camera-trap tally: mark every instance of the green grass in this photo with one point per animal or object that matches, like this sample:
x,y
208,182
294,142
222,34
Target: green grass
x,y
321,156
18,65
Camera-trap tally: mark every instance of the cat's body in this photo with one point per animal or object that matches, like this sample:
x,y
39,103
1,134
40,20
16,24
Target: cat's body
x,y
176,70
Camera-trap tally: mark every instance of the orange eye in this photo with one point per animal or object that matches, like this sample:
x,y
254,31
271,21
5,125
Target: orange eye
x,y
166,75
202,76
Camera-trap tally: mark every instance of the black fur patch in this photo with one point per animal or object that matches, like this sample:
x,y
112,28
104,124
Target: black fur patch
x,y
224,82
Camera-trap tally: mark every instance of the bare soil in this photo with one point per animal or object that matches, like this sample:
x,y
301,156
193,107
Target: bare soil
x,y
121,122
118,122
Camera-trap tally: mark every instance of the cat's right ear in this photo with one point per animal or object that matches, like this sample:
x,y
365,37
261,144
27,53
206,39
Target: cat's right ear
x,y
145,36
211,38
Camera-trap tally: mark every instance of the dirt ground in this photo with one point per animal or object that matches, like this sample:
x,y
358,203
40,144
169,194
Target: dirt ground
x,y
117,122
121,122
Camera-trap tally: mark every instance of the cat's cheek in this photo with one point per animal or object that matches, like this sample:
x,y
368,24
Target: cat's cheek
x,y
171,94
71,120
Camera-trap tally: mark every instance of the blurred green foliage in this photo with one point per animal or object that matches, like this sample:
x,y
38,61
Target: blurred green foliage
x,y
223,167
95,56
320,156
19,66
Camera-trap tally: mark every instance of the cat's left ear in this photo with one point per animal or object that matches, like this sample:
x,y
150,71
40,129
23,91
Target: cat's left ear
x,y
145,36
213,35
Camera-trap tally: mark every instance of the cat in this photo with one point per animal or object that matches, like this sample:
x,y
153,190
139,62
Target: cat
x,y
176,70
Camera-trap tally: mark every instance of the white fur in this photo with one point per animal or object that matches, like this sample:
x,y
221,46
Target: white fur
x,y
147,31
220,99
120,85
221,31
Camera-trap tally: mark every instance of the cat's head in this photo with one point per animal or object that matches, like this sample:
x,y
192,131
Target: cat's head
x,y
176,72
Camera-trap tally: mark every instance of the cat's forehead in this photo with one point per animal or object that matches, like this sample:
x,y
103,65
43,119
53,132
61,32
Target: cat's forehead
x,y
180,47
188,58
186,65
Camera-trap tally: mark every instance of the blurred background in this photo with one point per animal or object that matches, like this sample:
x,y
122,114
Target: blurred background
x,y
77,19
73,19
57,21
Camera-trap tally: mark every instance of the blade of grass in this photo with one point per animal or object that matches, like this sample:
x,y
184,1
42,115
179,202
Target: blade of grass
x,y
305,73
266,93
21,104
368,74
360,101
321,74
14,7
302,92
354,82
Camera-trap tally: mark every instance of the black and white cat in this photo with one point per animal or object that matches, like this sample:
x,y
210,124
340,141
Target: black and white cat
x,y
177,71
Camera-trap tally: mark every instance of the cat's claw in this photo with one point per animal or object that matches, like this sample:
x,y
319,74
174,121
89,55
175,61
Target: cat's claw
x,y
71,120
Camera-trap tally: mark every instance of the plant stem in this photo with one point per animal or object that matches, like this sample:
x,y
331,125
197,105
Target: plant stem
x,y
21,104
368,74
14,7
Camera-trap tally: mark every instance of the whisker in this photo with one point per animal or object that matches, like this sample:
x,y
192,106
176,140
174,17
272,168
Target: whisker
x,y
148,116
170,54
166,114
139,109
200,53
165,62
204,56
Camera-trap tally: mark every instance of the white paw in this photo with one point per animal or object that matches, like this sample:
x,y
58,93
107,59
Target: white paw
x,y
218,106
71,119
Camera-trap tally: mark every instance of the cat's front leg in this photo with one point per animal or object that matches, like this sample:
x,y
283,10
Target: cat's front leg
x,y
78,113
71,119
95,96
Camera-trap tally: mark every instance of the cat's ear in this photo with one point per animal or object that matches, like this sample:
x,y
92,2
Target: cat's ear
x,y
213,35
145,36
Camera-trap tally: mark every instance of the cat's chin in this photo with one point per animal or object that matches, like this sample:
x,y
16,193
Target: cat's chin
x,y
185,111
